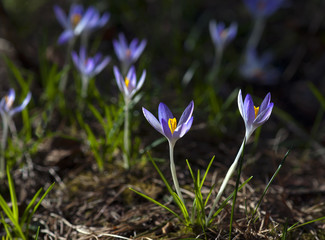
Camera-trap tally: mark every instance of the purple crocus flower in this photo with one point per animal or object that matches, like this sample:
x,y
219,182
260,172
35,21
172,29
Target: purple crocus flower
x,y
78,21
89,66
221,35
259,69
128,54
167,123
263,8
254,116
6,103
129,85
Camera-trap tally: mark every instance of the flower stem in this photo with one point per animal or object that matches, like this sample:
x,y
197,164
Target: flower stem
x,y
3,146
84,86
126,155
63,81
173,171
225,181
256,33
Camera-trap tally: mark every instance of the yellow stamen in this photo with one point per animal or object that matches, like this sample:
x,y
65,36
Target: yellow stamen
x,y
256,110
126,81
8,101
172,124
75,19
128,53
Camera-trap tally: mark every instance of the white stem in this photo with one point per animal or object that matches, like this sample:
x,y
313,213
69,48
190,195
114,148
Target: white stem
x,y
173,171
5,120
126,135
63,81
256,33
225,181
84,85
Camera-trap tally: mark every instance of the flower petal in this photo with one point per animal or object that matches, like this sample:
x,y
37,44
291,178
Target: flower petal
x,y
102,65
61,16
249,113
152,120
240,103
141,81
118,78
183,129
187,114
265,102
166,130
164,113
263,116
139,50
22,106
65,36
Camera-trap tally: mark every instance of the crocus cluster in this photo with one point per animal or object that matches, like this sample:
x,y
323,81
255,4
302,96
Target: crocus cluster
x,y
79,21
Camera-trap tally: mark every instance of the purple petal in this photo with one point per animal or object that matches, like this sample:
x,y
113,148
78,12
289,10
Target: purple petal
x,y
118,50
122,41
65,36
61,16
164,112
187,114
263,116
102,65
166,130
75,60
152,120
240,103
184,128
76,9
104,19
141,81
265,102
249,109
139,49
85,20
22,106
132,77
232,31
118,78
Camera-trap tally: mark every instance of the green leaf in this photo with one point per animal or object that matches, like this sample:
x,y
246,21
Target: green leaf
x,y
13,196
157,203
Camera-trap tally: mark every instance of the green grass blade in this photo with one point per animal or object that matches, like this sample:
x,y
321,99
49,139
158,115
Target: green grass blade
x,y
29,206
97,115
209,195
157,203
225,202
191,172
206,172
13,196
42,198
303,224
6,227
317,94
269,183
285,231
170,190
12,218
